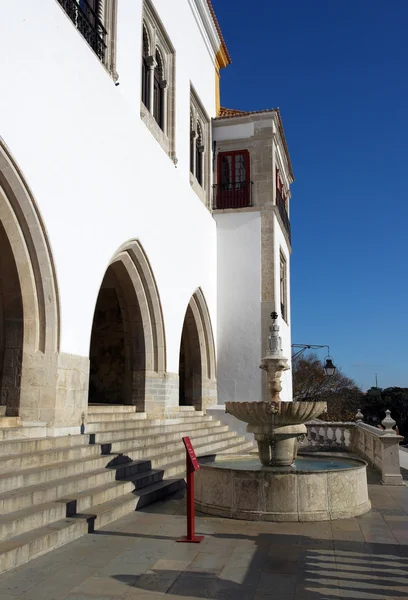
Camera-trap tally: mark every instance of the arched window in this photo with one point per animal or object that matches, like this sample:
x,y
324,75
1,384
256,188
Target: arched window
x,y
145,68
158,91
199,155
192,147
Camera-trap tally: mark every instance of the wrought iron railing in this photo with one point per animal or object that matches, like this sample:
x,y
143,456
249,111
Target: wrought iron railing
x,y
88,24
232,195
280,203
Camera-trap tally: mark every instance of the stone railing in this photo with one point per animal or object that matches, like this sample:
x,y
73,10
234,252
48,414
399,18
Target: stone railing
x,y
379,447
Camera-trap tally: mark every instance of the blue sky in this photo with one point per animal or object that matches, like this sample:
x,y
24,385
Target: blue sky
x,y
338,71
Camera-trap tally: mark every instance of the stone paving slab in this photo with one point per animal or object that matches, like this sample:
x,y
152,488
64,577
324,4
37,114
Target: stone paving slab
x,y
137,558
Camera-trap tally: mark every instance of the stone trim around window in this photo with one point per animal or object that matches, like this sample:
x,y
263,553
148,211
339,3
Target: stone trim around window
x,y
200,126
283,285
159,44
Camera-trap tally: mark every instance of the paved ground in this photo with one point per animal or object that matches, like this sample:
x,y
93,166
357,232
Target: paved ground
x,y
137,558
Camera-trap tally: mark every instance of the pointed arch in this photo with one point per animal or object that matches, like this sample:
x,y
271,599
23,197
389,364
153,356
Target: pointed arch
x,y
30,304
128,338
137,265
197,370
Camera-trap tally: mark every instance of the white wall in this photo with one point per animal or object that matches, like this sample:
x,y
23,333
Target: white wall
x,y
239,306
280,244
97,174
242,131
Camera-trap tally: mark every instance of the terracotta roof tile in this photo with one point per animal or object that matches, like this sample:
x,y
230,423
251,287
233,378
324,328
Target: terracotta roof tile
x,y
228,113
218,28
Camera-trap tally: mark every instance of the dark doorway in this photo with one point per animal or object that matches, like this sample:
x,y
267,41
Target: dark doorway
x,y
190,374
11,329
117,351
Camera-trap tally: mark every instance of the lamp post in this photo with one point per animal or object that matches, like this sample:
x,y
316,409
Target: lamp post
x,y
329,367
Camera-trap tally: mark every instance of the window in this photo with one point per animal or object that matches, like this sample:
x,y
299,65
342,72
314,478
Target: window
x,y
199,148
96,21
233,188
145,67
282,204
192,144
157,89
283,287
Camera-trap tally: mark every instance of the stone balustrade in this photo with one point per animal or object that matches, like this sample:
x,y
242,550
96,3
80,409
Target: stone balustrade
x,y
379,447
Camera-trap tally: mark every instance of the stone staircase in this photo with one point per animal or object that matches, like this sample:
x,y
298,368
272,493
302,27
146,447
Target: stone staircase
x,y
56,489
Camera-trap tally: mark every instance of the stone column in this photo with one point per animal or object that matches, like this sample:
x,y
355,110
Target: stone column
x,y
151,63
164,88
391,471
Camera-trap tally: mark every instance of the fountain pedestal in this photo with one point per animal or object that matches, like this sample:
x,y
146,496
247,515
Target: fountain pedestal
x,y
277,448
282,488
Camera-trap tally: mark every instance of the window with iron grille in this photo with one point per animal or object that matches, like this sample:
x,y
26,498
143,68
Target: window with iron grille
x,y
96,21
233,189
283,286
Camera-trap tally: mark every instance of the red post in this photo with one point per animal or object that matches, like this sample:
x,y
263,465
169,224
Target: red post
x,y
191,466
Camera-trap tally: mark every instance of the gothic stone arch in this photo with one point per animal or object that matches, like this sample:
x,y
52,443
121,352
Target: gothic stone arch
x,y
197,371
128,341
29,304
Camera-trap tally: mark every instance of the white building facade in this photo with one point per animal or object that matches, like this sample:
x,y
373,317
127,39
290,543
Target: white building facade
x,y
121,259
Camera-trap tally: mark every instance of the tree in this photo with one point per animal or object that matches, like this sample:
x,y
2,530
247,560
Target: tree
x,y
393,398
310,383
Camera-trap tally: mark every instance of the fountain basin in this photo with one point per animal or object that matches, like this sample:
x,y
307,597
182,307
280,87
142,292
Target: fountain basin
x,y
316,488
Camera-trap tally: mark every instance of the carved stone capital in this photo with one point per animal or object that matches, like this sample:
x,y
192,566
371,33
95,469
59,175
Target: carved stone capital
x,y
151,62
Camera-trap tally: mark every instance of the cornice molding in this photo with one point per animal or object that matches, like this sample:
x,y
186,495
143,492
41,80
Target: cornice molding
x,y
208,30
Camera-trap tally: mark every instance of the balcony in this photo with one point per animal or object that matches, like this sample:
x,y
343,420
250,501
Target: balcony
x,y
88,24
280,203
232,195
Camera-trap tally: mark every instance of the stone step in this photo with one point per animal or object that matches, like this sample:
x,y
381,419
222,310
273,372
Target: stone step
x,y
47,457
20,549
165,442
180,430
26,546
67,487
6,422
175,463
83,501
19,433
137,439
125,417
33,517
58,470
117,499
108,425
112,408
34,445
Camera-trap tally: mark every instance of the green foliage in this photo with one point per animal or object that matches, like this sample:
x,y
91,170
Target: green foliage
x,y
310,382
393,398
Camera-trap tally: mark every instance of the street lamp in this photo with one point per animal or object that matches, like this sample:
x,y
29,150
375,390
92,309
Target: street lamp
x,y
329,367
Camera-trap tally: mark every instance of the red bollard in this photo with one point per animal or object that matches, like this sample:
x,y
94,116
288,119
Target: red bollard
x,y
191,466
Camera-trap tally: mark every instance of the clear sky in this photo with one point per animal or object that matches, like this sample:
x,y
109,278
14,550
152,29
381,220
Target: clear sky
x,y
338,70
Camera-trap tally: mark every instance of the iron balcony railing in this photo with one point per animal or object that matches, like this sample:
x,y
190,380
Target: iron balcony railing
x,y
232,195
88,24
280,203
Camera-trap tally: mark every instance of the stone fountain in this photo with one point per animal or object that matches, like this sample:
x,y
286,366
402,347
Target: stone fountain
x,y
281,486
276,425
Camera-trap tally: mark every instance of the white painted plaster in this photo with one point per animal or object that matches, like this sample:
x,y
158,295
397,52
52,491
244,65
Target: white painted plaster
x,y
280,244
98,175
233,132
239,306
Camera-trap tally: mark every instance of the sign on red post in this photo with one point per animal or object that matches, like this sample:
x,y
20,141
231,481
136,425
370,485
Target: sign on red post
x,y
191,466
191,454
